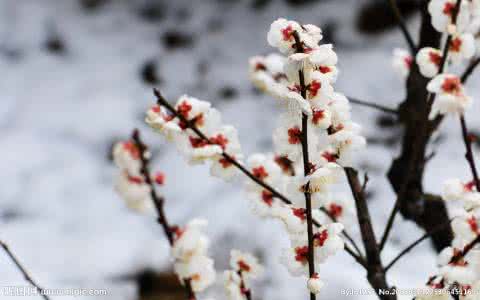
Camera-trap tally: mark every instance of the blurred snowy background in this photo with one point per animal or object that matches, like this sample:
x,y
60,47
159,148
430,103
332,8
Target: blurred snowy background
x,y
77,76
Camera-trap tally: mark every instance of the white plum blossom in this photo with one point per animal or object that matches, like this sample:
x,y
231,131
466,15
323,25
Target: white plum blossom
x,y
158,118
462,47
199,270
428,60
451,97
326,243
314,284
189,249
442,11
402,62
134,191
126,156
246,264
281,35
287,137
190,240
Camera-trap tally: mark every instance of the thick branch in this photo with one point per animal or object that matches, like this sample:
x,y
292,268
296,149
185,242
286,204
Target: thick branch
x,y
24,271
375,271
403,26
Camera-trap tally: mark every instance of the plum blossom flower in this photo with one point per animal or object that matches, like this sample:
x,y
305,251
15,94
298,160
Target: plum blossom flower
x,y
267,74
161,121
314,284
462,271
126,156
190,240
199,270
295,218
327,242
134,191
442,15
347,140
451,97
429,60
402,62
246,264
462,47
281,35
287,137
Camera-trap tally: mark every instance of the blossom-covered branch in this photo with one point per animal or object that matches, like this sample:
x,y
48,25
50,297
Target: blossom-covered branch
x,y
258,172
23,270
137,185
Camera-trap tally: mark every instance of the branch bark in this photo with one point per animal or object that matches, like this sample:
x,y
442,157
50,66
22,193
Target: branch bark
x,y
375,271
406,172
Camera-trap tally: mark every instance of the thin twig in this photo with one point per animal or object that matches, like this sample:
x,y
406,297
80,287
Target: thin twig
x,y
416,243
158,202
403,26
306,169
243,287
373,105
23,270
469,154
164,103
470,69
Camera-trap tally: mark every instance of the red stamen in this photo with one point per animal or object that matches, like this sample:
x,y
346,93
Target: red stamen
x,y
197,142
260,172
300,213
324,69
294,135
220,140
243,266
435,58
132,148
287,33
320,238
184,108
317,115
313,88
267,197
452,85
160,178
335,210
456,45
301,254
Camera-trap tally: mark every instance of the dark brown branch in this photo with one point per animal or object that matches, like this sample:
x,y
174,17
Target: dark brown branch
x,y
245,291
373,105
164,103
375,271
416,243
470,69
403,26
306,169
158,201
23,270
421,136
469,154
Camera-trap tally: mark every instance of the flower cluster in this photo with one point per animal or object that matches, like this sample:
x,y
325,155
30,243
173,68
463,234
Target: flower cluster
x,y
303,82
188,244
219,138
464,44
245,267
456,269
130,182
189,250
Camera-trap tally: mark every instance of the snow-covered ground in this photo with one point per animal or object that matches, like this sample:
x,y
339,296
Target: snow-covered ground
x,y
59,114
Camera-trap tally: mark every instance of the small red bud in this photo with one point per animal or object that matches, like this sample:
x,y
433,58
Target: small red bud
x,y
160,178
